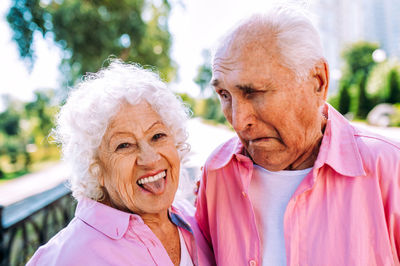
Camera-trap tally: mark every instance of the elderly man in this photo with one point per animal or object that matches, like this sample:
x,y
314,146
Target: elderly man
x,y
299,185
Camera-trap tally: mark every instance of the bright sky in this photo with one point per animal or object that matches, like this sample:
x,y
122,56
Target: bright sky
x,y
194,27
14,75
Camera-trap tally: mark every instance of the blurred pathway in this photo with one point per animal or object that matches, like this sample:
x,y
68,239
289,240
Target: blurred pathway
x,y
203,138
31,184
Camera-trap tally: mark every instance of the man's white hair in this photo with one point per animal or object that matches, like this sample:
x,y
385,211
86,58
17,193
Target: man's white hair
x,y
291,31
83,120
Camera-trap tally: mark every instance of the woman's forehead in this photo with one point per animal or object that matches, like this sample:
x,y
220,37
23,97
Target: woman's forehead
x,y
136,117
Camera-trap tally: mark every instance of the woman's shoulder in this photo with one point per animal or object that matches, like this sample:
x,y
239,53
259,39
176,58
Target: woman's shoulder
x,y
186,210
74,243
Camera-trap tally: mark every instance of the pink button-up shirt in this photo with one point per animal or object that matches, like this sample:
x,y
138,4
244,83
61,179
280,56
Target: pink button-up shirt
x,y
101,235
346,211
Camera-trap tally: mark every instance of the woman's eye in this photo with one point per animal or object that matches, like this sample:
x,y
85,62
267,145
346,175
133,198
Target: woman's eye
x,y
123,146
158,136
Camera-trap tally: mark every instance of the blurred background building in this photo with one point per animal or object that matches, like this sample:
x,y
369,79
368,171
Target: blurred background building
x,y
342,23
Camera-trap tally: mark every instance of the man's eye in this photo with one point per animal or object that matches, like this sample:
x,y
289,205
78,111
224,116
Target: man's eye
x,y
158,136
223,94
123,146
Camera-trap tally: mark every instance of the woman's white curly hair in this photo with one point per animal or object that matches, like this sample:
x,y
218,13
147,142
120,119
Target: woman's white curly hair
x,y
83,120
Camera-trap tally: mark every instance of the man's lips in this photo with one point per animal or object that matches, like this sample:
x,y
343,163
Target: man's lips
x,y
256,140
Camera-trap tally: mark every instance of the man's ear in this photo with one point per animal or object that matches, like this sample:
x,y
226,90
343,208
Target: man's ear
x,y
321,74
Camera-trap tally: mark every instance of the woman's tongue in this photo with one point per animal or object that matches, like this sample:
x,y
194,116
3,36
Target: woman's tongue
x,y
156,187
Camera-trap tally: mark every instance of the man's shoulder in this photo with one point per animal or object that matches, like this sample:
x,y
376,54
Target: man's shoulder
x,y
375,143
378,150
223,153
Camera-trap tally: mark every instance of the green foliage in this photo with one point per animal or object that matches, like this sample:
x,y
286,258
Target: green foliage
x,y
381,85
344,98
9,122
89,31
394,87
363,102
395,118
204,72
358,57
189,101
353,96
24,129
208,108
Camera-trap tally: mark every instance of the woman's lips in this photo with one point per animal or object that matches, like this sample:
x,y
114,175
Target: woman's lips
x,y
152,173
153,183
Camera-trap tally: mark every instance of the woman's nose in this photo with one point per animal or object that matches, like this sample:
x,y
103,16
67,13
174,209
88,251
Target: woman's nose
x,y
148,156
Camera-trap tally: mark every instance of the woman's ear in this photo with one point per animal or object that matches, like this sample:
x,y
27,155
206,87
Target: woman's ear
x,y
96,171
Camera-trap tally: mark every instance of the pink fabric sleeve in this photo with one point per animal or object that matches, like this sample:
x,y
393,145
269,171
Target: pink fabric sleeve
x,y
201,214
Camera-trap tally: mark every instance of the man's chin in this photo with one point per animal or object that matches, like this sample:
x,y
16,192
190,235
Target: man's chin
x,y
269,159
264,145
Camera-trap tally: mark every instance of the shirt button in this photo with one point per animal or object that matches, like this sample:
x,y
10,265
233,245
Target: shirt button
x,y
252,262
244,194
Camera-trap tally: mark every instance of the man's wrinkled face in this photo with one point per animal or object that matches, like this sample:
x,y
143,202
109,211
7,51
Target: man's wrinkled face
x,y
276,116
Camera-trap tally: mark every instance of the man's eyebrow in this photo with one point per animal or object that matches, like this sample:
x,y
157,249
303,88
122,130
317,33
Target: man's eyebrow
x,y
246,88
251,88
214,82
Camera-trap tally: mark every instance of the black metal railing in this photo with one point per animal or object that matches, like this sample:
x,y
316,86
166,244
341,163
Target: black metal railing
x,y
27,224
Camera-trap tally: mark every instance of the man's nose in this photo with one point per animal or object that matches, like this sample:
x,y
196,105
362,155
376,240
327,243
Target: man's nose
x,y
148,156
242,115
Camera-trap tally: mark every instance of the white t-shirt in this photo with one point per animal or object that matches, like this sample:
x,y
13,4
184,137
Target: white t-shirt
x,y
186,260
270,193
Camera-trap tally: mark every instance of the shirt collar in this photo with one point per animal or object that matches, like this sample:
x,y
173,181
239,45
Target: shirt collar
x,y
107,220
225,152
114,223
177,218
339,147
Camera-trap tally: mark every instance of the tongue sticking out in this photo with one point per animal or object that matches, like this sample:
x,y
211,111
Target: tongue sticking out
x,y
156,187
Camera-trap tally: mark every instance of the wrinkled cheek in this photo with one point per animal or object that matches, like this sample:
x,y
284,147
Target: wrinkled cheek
x,y
125,190
256,154
227,112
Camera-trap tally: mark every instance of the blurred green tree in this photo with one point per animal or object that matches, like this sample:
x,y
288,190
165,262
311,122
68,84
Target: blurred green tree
x,y
358,64
358,57
24,131
11,142
42,110
381,87
394,87
89,31
364,105
204,72
344,98
210,107
9,122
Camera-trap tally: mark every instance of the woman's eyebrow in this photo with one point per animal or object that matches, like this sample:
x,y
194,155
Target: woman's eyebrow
x,y
158,122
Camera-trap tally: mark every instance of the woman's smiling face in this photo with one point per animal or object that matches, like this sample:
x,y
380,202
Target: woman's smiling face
x,y
139,160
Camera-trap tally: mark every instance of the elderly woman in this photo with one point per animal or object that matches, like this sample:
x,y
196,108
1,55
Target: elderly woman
x,y
123,134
